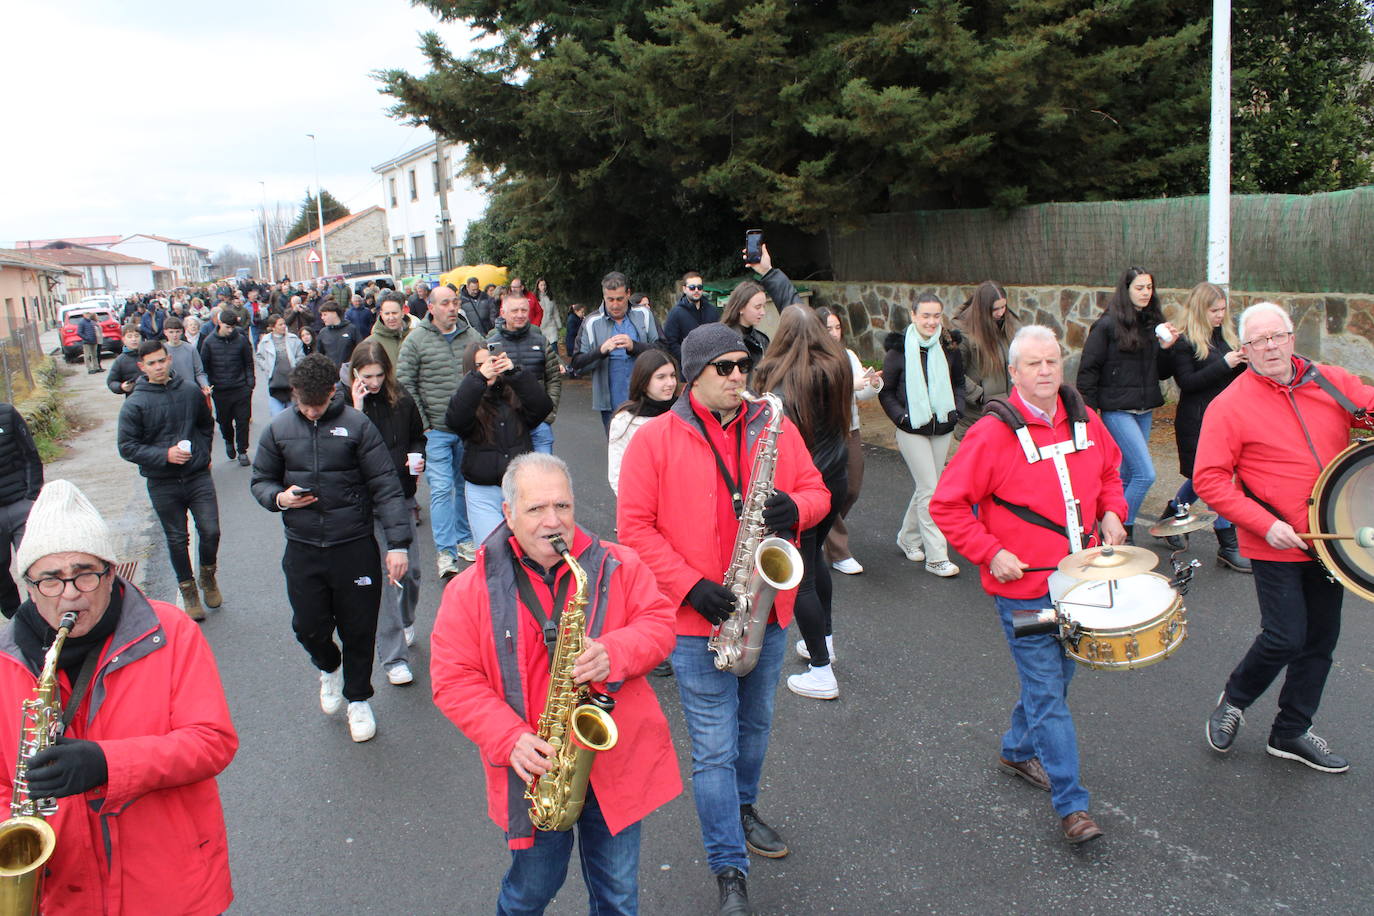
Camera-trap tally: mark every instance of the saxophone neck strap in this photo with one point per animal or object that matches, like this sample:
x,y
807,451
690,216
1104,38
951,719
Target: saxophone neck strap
x,y
79,686
741,419
548,619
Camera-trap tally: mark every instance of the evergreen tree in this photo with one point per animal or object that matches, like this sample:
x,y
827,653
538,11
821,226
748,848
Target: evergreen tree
x,y
307,218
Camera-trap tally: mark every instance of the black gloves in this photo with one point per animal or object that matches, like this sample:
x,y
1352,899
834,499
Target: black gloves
x,y
69,767
712,601
780,512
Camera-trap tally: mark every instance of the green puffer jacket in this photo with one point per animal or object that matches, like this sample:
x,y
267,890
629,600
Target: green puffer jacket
x,y
430,367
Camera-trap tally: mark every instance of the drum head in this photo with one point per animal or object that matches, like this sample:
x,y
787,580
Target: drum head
x,y
1342,503
1134,600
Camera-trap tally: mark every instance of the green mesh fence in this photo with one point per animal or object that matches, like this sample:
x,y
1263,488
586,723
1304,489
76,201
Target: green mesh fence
x,y
1279,242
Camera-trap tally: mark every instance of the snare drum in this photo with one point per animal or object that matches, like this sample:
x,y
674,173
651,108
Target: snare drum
x,y
1122,624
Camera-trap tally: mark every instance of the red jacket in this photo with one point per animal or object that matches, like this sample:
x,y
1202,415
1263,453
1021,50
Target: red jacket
x,y
666,508
990,461
624,613
151,840
1277,439
536,310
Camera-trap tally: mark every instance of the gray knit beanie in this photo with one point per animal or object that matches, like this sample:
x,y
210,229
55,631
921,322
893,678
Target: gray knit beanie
x,y
63,520
705,344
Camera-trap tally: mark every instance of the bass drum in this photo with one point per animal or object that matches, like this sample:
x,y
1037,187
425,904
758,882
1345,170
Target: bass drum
x,y
1342,503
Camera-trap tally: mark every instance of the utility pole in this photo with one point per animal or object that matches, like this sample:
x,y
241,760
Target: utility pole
x,y
267,237
319,209
445,247
1219,165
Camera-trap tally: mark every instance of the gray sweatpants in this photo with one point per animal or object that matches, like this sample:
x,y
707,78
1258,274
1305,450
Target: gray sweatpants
x,y
398,604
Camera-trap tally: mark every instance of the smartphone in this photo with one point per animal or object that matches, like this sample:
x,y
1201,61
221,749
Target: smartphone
x,y
496,348
304,491
753,246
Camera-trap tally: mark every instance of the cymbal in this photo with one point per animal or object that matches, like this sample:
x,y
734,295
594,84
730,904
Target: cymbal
x,y
1173,525
1107,562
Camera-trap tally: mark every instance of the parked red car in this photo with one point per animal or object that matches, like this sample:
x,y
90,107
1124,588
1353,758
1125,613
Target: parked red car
x,y
110,341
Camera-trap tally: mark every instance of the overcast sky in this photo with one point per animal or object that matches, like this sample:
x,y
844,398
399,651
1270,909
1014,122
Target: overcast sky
x,y
162,117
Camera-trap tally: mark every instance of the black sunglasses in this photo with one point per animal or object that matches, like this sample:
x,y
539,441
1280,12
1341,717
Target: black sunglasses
x,y
725,366
693,286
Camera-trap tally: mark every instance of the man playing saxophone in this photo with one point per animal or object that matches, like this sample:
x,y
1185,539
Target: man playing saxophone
x,y
493,642
139,828
691,490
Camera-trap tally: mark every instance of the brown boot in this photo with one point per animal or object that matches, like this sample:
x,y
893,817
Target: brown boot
x,y
213,598
191,598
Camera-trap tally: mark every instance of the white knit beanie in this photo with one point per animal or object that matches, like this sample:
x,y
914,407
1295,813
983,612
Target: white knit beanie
x,y
63,520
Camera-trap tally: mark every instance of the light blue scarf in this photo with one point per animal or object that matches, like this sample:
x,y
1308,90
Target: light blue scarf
x,y
928,395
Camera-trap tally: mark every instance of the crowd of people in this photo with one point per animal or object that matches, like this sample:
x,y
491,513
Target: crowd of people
x,y
370,390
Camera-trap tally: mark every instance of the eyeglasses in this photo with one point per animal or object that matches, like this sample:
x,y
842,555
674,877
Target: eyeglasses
x,y
1270,340
693,286
726,366
54,586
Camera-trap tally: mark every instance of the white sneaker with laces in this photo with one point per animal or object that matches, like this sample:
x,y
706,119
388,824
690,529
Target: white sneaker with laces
x,y
467,551
914,554
399,673
361,724
849,566
818,683
943,568
806,653
331,690
447,563
409,633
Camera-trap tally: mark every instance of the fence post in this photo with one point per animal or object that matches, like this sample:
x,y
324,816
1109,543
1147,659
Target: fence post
x,y
5,363
24,355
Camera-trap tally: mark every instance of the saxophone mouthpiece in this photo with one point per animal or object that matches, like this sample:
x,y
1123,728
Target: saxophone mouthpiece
x,y
68,621
558,543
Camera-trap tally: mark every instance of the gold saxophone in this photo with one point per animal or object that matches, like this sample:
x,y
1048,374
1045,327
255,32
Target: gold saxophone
x,y
26,839
577,722
759,566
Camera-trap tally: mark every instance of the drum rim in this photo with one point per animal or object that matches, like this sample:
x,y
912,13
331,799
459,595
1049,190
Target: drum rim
x,y
1320,505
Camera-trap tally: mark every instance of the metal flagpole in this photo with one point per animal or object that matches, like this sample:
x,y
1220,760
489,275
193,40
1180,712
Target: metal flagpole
x,y
1219,165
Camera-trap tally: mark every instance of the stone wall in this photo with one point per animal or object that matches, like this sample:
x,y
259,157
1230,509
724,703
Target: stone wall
x,y
1331,327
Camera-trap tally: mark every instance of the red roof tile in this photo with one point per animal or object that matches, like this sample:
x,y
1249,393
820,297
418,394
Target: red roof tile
x,y
78,256
84,240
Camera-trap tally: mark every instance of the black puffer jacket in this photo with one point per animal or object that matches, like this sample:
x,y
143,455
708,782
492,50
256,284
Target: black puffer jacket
x,y
1199,381
228,360
1110,379
156,417
337,341
402,430
893,395
485,455
21,470
123,369
343,459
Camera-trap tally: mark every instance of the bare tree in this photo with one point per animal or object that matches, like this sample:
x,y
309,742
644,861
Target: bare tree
x,y
228,259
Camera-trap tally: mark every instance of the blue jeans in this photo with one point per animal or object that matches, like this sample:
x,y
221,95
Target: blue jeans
x,y
728,719
1041,725
1132,434
448,514
1187,494
484,509
610,868
542,437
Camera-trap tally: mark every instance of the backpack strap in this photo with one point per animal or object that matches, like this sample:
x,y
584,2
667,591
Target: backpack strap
x,y
1361,414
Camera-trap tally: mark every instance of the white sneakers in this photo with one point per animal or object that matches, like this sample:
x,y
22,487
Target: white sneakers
x,y
399,673
943,568
409,634
467,551
447,563
361,725
818,683
806,653
331,691
914,554
849,566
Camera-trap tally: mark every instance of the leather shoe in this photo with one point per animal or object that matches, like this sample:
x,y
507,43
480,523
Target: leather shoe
x,y
1080,828
761,839
734,894
663,669
1032,771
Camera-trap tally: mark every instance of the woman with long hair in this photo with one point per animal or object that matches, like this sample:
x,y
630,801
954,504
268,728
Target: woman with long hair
x,y
552,322
277,354
653,388
1123,361
867,384
376,392
1206,359
986,326
307,339
495,407
808,370
923,396
744,310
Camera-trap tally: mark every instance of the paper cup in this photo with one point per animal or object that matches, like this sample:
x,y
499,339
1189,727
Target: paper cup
x,y
413,460
1163,333
185,445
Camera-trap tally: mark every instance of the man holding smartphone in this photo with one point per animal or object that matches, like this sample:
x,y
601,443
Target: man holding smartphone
x,y
521,340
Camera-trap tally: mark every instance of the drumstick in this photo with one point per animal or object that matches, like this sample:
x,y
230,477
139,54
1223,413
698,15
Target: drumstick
x,y
1364,537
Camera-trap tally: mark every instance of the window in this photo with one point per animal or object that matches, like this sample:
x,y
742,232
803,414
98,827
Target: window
x,y
392,184
398,245
417,245
414,191
448,174
435,165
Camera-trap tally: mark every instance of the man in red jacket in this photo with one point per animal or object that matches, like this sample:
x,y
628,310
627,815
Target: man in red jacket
x,y
1039,492
491,646
139,824
683,481
1265,441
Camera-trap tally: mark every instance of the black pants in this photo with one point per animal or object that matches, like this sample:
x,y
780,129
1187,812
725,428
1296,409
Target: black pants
x,y
233,407
172,498
1300,621
813,608
336,588
13,518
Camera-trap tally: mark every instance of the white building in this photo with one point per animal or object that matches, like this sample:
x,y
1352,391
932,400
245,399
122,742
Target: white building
x,y
98,271
410,195
189,263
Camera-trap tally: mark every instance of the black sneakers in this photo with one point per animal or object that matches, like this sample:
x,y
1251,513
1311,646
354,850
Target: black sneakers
x,y
1223,724
1308,749
734,893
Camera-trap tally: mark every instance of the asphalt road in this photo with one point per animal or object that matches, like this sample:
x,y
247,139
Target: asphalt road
x,y
888,796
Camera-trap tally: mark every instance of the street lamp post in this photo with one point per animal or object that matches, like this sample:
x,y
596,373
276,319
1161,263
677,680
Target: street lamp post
x,y
267,236
1219,166
319,209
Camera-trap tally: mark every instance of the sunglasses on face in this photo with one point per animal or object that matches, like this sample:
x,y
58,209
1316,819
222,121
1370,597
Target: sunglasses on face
x,y
694,286
724,367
